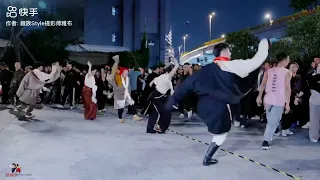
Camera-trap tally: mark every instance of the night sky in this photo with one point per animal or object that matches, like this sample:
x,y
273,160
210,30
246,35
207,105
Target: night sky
x,y
231,15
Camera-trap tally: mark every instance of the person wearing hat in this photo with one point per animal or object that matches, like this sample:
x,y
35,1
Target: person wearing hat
x,y
32,84
160,118
218,85
121,83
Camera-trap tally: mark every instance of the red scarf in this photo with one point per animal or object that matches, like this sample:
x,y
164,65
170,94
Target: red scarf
x,y
221,58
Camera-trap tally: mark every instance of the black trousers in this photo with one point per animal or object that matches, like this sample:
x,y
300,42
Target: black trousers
x,y
133,108
236,114
5,92
290,118
185,104
68,92
135,97
12,94
101,100
158,116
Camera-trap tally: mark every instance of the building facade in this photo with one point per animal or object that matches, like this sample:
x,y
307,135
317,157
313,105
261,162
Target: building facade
x,y
121,23
169,48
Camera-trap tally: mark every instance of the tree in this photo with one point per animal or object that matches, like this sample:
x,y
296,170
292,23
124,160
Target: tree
x,y
299,5
144,52
46,45
244,45
283,45
305,35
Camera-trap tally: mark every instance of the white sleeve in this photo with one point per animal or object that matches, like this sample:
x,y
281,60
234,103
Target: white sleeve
x,y
241,67
156,81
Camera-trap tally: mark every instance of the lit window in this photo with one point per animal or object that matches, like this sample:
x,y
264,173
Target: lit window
x,y
115,11
115,37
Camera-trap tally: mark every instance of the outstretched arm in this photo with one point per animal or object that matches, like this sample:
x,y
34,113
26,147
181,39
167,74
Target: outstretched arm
x,y
175,68
44,76
241,67
115,65
90,68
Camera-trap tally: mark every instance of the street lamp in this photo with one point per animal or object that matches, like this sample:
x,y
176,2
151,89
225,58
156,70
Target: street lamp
x,y
269,17
184,42
210,22
180,50
223,36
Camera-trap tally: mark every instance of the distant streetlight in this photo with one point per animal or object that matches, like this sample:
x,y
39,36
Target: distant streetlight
x,y
210,23
269,17
180,50
223,36
184,42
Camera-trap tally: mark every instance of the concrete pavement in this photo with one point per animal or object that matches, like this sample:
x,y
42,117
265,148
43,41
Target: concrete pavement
x,y
62,145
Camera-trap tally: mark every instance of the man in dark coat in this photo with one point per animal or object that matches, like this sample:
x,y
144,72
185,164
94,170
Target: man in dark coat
x,y
5,79
218,85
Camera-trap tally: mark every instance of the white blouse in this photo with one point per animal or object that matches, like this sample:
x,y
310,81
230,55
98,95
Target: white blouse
x,y
163,83
90,82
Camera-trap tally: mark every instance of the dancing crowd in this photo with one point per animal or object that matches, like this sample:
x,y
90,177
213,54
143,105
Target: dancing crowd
x,y
279,92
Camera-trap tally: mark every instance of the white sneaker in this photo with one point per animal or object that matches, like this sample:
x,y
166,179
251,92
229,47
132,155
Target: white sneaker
x,y
181,116
289,132
29,116
277,134
60,106
189,114
284,133
306,126
236,124
71,107
313,140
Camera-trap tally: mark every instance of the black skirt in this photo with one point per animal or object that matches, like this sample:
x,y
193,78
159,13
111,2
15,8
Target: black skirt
x,y
215,114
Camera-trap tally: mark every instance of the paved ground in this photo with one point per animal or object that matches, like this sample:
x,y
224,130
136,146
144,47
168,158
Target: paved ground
x,y
61,145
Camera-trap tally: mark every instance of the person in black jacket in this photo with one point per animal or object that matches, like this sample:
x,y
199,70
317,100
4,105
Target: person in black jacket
x,y
70,82
5,79
148,89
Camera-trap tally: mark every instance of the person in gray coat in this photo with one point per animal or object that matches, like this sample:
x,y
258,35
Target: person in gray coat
x,y
32,84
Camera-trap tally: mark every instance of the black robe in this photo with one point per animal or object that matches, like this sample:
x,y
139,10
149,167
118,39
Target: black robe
x,y
215,89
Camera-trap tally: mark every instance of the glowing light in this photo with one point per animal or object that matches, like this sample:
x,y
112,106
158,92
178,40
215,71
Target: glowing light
x,y
42,5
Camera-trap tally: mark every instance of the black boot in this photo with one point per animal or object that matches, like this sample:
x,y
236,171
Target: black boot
x,y
207,161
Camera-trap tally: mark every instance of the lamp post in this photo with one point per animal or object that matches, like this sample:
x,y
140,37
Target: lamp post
x,y
269,17
179,50
184,42
210,24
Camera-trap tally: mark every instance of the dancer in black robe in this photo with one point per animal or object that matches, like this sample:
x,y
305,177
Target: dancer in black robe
x,y
217,85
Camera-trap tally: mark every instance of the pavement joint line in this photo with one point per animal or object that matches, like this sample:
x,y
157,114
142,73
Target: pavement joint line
x,y
240,156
